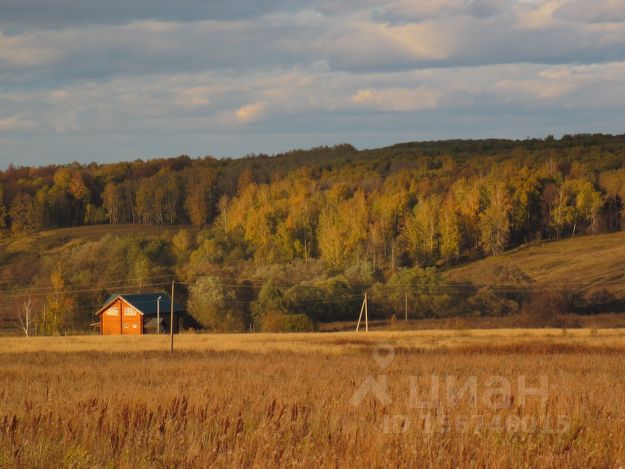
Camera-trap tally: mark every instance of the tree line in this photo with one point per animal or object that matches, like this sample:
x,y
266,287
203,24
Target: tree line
x,y
358,217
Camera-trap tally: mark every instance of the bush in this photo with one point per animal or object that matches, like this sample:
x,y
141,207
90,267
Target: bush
x,y
545,308
487,302
280,322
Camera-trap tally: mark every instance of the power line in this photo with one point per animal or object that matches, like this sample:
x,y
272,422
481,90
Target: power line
x,y
72,292
111,283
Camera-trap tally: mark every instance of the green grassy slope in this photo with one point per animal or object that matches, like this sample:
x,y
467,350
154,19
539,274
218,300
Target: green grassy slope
x,y
591,263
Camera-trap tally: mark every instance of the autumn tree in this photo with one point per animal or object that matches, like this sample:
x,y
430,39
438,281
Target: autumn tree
x,y
113,202
612,184
421,230
26,316
223,208
59,310
78,190
387,212
181,244
495,219
450,243
588,205
200,196
23,214
525,200
576,202
343,230
465,196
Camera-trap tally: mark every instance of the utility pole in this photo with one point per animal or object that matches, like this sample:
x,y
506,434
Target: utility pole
x,y
171,319
158,315
406,305
363,309
366,314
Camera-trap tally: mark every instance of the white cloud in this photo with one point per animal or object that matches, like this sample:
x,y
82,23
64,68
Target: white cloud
x,y
295,67
249,113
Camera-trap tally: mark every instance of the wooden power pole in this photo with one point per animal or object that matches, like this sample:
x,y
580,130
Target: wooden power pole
x,y
366,314
406,306
364,309
171,318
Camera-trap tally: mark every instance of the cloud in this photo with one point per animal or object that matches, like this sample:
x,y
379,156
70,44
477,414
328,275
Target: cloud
x,y
249,113
148,69
398,99
193,97
540,16
444,33
38,14
596,11
14,123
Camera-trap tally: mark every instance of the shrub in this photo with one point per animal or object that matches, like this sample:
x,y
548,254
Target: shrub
x,y
487,302
545,308
280,322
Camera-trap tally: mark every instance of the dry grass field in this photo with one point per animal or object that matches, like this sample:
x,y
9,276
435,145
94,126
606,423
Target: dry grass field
x,y
315,400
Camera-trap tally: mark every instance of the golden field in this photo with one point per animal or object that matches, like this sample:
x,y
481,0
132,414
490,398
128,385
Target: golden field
x,y
297,400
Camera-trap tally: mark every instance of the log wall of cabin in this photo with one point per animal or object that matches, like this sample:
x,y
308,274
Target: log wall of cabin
x,y
121,318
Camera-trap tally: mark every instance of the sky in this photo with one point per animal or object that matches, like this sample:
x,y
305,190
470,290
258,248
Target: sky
x,y
116,80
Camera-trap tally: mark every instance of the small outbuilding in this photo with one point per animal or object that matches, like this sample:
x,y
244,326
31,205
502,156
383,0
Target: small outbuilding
x,y
146,313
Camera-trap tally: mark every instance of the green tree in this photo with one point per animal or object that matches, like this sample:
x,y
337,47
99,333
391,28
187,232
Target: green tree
x,y
214,305
423,289
270,300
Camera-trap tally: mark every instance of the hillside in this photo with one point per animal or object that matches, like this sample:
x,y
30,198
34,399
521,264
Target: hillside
x,y
21,257
594,265
293,241
588,263
90,260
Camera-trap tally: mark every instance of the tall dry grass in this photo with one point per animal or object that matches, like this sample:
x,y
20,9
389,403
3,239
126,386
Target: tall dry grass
x,y
291,407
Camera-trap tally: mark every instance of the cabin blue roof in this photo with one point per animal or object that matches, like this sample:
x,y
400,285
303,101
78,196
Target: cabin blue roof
x,y
145,303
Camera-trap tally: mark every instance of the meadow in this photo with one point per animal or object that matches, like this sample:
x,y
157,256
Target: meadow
x,y
323,400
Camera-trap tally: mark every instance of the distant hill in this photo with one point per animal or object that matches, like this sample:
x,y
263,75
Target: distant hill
x,y
89,258
294,240
588,263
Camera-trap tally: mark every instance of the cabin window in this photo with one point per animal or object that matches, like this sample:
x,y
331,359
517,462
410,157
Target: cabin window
x,y
112,311
125,326
134,326
129,311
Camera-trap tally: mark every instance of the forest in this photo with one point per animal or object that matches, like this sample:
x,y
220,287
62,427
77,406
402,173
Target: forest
x,y
289,241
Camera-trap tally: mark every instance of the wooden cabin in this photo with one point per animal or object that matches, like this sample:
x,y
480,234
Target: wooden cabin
x,y
137,314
